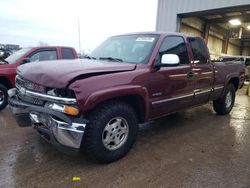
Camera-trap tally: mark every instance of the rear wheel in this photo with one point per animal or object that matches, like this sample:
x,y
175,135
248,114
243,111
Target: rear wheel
x,y
112,132
3,97
225,104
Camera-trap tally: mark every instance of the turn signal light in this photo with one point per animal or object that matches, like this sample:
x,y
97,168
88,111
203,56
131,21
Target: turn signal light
x,y
71,110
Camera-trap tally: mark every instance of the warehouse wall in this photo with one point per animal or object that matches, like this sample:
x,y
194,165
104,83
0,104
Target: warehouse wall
x,y
246,51
215,46
168,10
192,26
233,47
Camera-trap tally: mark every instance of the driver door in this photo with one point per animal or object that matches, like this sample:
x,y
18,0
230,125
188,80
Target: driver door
x,y
172,87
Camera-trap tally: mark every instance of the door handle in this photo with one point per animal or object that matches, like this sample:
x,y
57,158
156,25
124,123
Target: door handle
x,y
190,74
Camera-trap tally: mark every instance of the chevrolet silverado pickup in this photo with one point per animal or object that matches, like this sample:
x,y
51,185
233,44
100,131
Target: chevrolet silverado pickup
x,y
96,103
32,54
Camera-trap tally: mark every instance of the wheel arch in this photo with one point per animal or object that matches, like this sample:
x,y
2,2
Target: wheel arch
x,y
235,81
135,97
5,82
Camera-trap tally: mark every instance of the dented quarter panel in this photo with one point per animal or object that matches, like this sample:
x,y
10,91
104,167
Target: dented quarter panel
x,y
94,90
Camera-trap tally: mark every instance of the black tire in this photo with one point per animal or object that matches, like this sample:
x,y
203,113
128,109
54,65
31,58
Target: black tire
x,y
3,97
101,118
221,105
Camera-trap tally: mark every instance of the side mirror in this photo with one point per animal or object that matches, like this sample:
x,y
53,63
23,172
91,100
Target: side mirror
x,y
170,60
25,60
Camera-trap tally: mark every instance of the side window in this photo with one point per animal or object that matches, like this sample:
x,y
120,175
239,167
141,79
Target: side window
x,y
45,55
247,62
199,50
175,45
67,53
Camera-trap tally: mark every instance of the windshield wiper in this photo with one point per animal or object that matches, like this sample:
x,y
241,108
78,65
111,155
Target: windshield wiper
x,y
111,59
88,57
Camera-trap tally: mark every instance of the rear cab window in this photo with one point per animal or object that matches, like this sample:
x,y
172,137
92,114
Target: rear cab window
x,y
67,53
199,50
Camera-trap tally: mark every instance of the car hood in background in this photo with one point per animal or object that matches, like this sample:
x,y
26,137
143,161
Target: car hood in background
x,y
59,73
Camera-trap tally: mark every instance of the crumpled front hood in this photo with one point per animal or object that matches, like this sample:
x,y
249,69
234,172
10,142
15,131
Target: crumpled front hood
x,y
58,74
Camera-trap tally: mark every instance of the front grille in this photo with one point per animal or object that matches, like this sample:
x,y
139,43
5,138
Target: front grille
x,y
20,82
31,100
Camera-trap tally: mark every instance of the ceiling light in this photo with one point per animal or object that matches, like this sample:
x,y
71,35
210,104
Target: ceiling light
x,y
235,22
248,27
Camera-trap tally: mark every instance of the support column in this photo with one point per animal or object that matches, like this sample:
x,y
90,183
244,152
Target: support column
x,y
179,24
206,32
225,44
241,48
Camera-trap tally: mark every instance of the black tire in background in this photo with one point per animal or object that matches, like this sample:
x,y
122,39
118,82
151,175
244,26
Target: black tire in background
x,y
224,105
103,141
3,97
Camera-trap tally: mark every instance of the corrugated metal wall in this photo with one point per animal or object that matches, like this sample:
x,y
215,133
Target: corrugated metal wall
x,y
168,10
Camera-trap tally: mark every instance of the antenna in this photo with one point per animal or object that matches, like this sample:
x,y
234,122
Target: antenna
x,y
79,36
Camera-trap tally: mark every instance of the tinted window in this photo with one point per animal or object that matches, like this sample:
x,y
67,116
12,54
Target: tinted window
x,y
199,50
44,55
247,62
175,45
67,53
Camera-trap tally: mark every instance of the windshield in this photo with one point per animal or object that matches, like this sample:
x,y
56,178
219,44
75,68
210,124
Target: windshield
x,y
16,55
127,48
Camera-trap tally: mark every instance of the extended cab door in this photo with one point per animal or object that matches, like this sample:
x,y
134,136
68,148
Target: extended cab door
x,y
67,53
202,70
172,86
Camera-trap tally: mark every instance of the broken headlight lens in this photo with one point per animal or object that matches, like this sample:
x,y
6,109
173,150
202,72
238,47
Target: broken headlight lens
x,y
65,93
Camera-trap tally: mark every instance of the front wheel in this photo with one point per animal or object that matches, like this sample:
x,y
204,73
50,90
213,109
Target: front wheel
x,y
112,131
3,97
224,105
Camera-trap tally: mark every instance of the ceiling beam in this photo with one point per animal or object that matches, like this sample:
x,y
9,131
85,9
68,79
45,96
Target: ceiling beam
x,y
243,18
219,29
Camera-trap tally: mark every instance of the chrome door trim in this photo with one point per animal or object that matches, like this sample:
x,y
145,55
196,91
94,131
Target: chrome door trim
x,y
201,92
172,99
218,87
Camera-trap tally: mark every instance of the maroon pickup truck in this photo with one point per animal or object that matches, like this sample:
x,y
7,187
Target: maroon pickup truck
x,y
97,103
33,54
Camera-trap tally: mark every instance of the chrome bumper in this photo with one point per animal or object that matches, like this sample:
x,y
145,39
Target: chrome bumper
x,y
65,134
62,131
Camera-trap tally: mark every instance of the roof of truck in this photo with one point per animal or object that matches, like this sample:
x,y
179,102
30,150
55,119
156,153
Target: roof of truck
x,y
48,46
164,33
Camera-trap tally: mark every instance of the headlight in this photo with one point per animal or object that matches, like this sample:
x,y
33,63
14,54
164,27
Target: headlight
x,y
52,92
61,93
70,110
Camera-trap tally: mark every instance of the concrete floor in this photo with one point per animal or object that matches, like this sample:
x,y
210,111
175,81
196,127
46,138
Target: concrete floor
x,y
193,148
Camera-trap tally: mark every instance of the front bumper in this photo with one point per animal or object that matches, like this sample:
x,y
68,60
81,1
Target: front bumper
x,y
64,132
